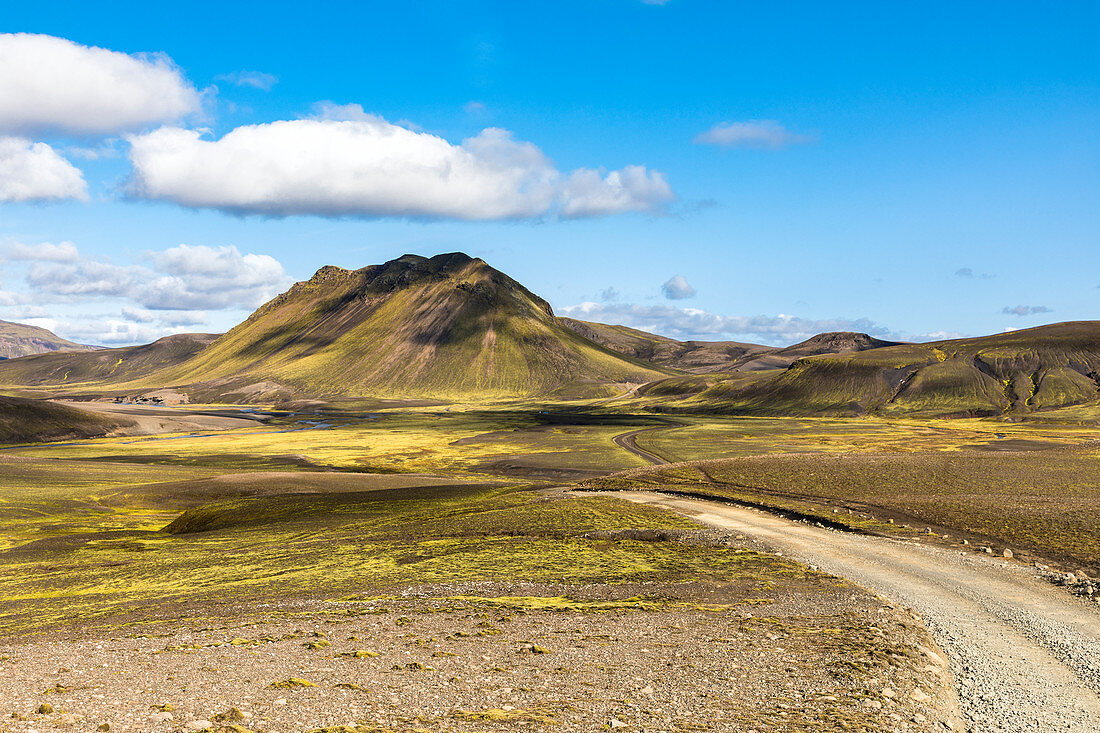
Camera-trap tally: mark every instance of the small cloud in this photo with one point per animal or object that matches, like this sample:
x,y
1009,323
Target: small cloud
x,y
254,79
43,252
106,149
759,134
969,273
609,294
473,107
678,288
1025,310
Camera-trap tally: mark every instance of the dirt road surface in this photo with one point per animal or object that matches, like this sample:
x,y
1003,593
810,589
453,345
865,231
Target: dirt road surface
x,y
1025,654
627,442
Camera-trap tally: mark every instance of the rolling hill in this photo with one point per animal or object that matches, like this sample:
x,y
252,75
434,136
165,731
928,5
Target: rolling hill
x,y
29,421
20,339
1016,373
102,366
706,357
448,326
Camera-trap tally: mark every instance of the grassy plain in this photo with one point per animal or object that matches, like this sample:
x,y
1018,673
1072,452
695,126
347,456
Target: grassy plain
x,y
339,544
1042,501
704,437
350,502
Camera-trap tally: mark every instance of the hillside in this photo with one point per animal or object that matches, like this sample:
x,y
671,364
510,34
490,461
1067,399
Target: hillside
x,y
20,339
102,366
1021,372
706,357
448,326
30,421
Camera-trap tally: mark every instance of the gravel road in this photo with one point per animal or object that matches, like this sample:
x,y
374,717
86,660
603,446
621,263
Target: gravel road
x,y
1026,655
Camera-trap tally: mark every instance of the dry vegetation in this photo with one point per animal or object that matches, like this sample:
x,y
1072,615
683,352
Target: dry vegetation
x,y
1041,501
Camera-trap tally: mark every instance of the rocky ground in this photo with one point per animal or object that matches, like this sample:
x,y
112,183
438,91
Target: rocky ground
x,y
423,662
1025,654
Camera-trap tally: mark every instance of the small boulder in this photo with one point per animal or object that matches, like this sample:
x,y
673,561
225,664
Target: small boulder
x,y
45,709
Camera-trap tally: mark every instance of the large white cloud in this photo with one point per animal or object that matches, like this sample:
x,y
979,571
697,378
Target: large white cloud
x,y
32,171
692,323
347,163
50,84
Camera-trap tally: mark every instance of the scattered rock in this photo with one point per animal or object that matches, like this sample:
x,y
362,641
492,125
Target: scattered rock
x,y
292,682
1007,553
232,715
533,649
616,723
45,709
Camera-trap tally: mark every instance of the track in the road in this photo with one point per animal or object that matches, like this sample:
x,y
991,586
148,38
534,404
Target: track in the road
x,y
627,442
1026,656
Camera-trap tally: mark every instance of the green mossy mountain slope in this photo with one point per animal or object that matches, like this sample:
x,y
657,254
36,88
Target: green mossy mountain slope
x,y
1020,372
448,326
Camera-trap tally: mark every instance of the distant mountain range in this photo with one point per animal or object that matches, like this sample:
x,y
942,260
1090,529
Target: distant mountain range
x,y
19,339
452,327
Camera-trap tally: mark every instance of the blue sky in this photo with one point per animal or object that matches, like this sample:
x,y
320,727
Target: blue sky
x,y
912,171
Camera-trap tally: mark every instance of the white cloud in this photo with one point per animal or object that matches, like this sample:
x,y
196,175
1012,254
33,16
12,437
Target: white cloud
x,y
42,252
1025,310
32,171
52,84
692,323
767,134
344,162
589,193
254,79
678,288
108,329
182,278
203,277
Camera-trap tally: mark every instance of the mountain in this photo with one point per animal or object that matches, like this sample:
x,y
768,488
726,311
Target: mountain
x,y
706,357
448,326
102,366
1015,373
30,421
19,339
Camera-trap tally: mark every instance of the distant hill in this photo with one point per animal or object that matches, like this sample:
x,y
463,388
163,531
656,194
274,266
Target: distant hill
x,y
32,421
1017,373
448,326
102,366
705,357
20,339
